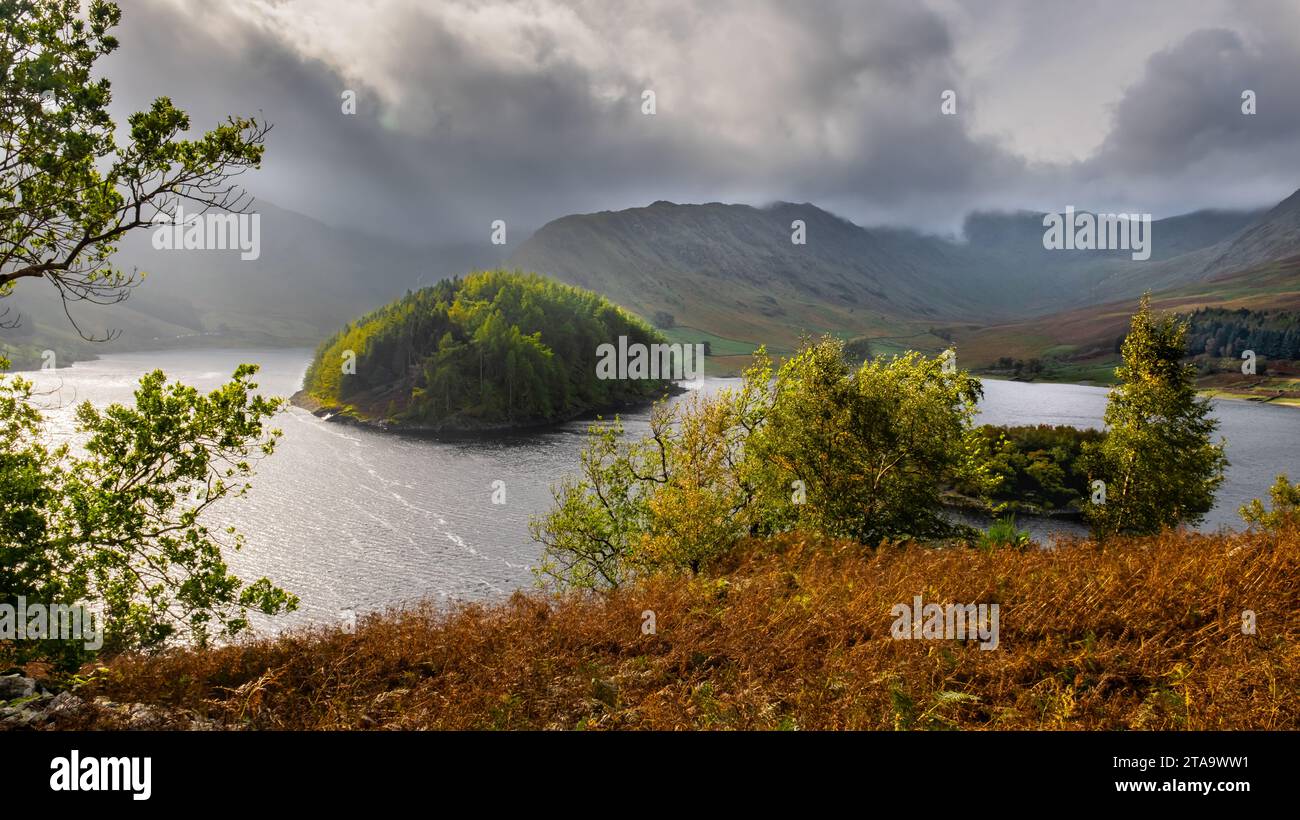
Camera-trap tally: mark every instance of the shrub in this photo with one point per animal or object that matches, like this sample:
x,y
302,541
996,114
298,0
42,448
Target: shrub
x,y
1003,533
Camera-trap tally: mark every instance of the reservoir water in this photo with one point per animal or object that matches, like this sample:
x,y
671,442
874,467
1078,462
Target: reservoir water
x,y
348,518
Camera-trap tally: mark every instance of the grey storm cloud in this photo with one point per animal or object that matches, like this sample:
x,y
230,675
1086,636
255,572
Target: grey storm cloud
x,y
1188,106
526,111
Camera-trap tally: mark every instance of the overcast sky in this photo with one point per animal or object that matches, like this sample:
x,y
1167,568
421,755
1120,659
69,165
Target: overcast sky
x,y
526,111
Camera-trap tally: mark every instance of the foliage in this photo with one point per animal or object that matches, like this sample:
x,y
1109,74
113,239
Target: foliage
x,y
118,521
676,499
820,448
871,448
68,191
1019,368
1216,332
1286,506
30,474
857,350
1037,464
490,348
1157,460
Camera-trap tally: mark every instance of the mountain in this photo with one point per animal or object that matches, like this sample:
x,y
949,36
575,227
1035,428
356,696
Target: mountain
x,y
1256,267
1047,280
1021,234
308,279
732,271
1273,236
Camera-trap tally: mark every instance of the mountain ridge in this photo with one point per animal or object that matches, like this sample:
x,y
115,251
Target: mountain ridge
x,y
731,270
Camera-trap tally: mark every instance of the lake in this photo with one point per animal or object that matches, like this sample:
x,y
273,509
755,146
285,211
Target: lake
x,y
346,517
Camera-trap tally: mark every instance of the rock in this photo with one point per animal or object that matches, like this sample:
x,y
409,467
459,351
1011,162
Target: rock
x,y
11,718
63,704
13,687
26,716
46,711
143,716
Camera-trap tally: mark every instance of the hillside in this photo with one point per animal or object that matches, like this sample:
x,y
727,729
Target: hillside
x,y
1141,633
731,272
1274,236
491,351
1084,340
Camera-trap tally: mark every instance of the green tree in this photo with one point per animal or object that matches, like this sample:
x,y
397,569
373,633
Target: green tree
x,y
677,499
119,521
30,475
494,347
589,535
1158,461
116,522
68,191
870,449
821,448
1286,506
